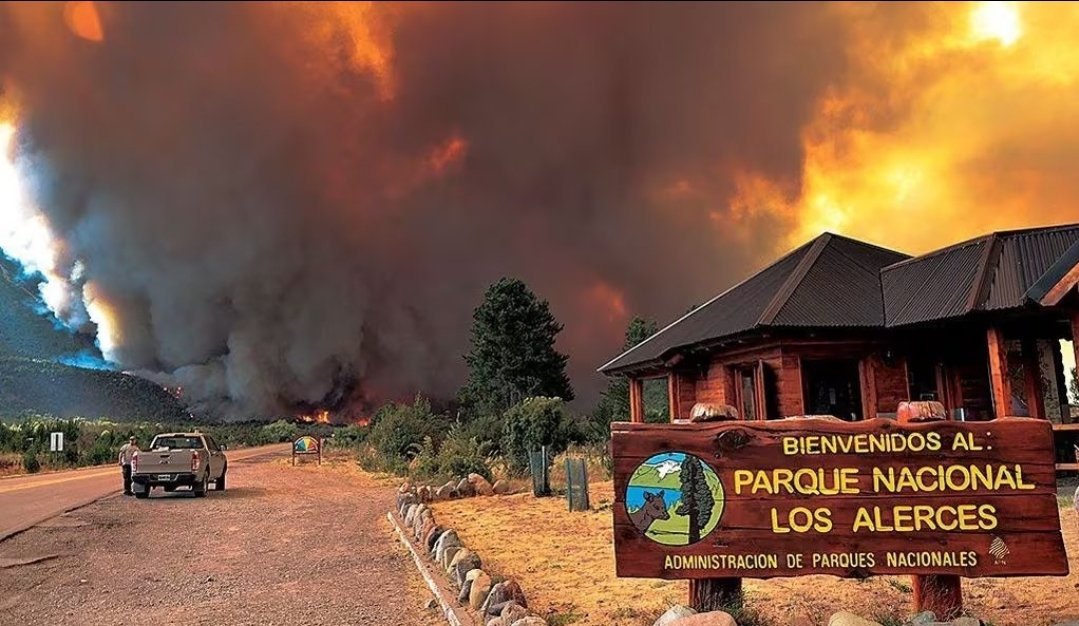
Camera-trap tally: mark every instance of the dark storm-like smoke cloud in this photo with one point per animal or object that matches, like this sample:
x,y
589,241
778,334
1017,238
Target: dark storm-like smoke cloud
x,y
270,227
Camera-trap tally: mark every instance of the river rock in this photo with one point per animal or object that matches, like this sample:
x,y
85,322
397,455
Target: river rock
x,y
410,512
430,538
923,618
425,528
465,489
404,500
445,492
711,618
424,493
531,620
481,588
481,485
505,591
404,488
673,613
501,487
843,618
466,586
462,562
447,556
513,612
496,621
966,621
446,540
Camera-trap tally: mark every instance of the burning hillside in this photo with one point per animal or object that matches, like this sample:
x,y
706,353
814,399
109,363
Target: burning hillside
x,y
291,205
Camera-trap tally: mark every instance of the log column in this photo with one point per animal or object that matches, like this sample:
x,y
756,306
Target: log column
x,y
636,400
998,373
1032,379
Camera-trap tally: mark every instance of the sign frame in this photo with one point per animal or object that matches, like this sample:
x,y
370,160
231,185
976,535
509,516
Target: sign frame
x,y
302,447
1026,519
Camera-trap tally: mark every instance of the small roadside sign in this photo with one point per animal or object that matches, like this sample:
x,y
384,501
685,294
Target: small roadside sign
x,y
56,442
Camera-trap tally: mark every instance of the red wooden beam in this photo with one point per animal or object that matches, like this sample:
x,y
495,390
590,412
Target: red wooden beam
x,y
1032,379
998,373
673,401
636,400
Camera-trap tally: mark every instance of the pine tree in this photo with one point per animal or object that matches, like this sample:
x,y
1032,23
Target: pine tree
x,y
614,405
697,500
513,355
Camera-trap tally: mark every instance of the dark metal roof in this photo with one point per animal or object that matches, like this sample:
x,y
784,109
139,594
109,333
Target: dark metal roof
x,y
933,286
998,271
830,281
1024,258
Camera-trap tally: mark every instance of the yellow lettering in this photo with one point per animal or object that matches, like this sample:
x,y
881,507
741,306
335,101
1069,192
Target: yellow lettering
x,y
742,478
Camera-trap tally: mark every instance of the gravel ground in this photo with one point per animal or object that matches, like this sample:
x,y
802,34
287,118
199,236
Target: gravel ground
x,y
281,545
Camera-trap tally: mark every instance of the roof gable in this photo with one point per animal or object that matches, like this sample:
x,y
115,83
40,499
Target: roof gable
x,y
829,281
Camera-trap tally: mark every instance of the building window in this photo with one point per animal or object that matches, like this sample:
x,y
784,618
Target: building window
x,y
832,387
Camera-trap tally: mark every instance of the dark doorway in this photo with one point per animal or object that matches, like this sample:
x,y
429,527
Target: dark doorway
x,y
832,387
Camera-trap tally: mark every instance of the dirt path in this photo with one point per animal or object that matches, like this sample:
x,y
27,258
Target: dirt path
x,y
282,545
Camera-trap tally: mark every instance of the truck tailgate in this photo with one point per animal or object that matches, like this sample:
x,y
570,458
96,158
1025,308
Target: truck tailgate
x,y
165,462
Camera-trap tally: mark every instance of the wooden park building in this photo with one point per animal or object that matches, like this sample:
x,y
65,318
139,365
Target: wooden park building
x,y
844,328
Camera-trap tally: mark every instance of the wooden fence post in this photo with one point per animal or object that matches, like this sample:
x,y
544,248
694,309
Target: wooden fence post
x,y
940,593
715,594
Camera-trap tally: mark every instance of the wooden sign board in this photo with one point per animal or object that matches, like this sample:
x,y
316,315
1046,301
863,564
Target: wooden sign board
x,y
306,445
808,496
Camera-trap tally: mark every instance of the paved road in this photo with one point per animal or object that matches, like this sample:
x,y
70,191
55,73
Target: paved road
x,y
29,500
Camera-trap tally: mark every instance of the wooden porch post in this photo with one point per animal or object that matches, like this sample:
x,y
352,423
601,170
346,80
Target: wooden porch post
x,y
673,401
1075,336
998,373
636,400
1032,379
868,381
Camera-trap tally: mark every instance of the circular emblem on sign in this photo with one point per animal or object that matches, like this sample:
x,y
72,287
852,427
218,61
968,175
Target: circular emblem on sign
x,y
674,498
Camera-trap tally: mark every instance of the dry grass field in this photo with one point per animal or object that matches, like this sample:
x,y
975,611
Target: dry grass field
x,y
565,563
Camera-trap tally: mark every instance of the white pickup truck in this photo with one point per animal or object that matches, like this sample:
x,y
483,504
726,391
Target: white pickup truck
x,y
177,460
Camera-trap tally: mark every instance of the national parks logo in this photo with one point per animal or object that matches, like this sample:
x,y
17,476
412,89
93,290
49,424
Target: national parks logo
x,y
674,498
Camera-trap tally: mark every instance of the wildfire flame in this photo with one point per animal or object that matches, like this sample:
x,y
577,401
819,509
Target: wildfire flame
x,y
318,417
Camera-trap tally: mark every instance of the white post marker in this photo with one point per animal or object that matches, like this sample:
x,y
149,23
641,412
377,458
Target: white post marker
x,y
56,442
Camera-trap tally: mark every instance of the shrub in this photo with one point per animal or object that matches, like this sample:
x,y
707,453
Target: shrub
x,y
30,464
277,432
352,435
533,423
399,430
457,457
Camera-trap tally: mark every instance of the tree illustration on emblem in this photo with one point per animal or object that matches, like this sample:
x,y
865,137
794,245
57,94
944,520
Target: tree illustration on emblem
x,y
697,500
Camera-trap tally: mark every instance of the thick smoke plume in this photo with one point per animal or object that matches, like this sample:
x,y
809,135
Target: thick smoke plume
x,y
291,205
288,206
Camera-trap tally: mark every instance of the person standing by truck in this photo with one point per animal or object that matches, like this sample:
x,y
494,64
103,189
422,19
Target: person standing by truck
x,y
127,452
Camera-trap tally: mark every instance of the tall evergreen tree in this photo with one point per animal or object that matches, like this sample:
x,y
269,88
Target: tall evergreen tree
x,y
512,354
697,500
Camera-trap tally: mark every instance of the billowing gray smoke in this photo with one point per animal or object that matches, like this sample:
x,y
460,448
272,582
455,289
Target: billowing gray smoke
x,y
281,213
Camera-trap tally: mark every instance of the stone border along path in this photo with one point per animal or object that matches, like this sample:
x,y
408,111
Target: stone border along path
x,y
492,601
436,582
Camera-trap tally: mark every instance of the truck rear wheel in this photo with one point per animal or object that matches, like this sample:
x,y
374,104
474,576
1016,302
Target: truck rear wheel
x,y
219,484
200,488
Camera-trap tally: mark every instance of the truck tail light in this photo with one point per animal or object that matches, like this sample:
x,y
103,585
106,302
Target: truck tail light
x,y
195,462
134,462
